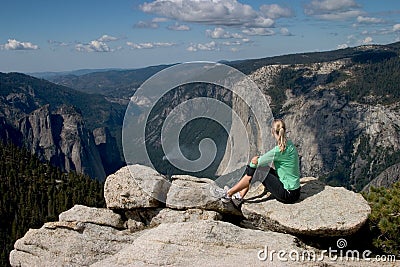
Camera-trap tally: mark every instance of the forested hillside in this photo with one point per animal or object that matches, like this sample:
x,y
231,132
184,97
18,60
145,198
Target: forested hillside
x,y
33,192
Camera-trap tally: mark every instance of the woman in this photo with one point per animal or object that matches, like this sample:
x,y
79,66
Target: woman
x,y
283,182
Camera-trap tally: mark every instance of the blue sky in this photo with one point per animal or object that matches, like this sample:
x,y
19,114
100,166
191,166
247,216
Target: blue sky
x,y
55,35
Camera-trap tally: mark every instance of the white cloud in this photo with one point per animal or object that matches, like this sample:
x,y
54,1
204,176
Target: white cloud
x,y
342,46
396,27
369,20
340,15
260,22
93,46
107,38
179,27
210,12
258,31
275,11
236,43
149,45
221,33
57,43
13,44
157,20
146,25
211,46
333,9
285,32
331,5
367,40
229,43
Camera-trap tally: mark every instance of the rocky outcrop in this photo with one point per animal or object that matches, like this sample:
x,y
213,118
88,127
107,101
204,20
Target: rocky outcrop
x,y
190,192
321,211
103,217
203,243
139,219
135,186
68,244
193,228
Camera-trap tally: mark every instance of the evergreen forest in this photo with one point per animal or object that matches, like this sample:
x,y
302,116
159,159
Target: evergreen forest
x,y
34,192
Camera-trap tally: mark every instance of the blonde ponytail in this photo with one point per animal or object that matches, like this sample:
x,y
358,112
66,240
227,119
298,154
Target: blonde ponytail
x,y
280,130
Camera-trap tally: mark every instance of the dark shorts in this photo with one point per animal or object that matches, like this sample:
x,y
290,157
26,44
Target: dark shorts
x,y
275,187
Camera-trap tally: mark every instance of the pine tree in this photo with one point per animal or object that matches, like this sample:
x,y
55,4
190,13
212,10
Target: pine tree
x,y
384,220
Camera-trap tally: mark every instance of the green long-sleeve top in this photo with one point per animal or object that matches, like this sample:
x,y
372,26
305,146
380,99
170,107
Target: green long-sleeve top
x,y
286,164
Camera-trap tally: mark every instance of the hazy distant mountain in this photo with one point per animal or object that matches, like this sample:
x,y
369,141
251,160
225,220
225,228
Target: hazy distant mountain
x,y
120,84
50,74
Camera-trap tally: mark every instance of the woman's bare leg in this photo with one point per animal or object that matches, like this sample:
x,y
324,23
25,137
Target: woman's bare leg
x,y
242,185
244,191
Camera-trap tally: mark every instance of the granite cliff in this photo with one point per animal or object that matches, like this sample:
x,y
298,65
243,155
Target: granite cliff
x,y
60,125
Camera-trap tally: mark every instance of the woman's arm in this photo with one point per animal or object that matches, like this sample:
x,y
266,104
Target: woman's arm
x,y
263,160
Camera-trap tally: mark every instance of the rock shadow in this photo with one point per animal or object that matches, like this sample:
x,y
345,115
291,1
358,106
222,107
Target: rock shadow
x,y
309,187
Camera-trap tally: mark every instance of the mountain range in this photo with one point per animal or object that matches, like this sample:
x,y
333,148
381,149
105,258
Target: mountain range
x,y
342,109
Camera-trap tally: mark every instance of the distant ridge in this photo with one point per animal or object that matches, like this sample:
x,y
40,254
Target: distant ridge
x,y
379,51
245,65
50,74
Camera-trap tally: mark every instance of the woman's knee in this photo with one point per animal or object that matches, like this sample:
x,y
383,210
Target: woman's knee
x,y
247,178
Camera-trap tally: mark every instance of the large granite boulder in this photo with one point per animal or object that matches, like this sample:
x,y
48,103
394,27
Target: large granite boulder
x,y
135,186
69,244
80,213
202,243
139,219
189,192
321,211
194,243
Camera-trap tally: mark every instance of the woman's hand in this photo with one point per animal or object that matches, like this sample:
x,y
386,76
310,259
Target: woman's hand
x,y
254,160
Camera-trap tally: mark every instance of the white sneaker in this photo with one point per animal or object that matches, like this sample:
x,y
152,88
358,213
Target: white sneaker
x,y
237,195
225,198
221,193
237,199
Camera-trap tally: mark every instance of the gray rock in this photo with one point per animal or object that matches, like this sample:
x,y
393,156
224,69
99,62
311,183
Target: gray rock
x,y
203,243
98,216
321,211
138,219
189,192
135,186
190,215
62,138
386,179
68,244
329,130
107,146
